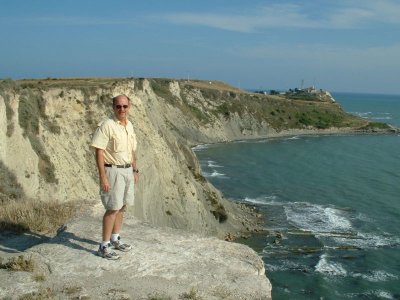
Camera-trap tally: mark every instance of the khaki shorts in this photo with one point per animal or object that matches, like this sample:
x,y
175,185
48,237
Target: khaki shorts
x,y
121,188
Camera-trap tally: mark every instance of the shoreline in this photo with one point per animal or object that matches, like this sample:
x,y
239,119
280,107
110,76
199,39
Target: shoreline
x,y
307,132
254,217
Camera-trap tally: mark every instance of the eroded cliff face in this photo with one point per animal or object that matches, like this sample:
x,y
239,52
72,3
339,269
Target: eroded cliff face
x,y
46,130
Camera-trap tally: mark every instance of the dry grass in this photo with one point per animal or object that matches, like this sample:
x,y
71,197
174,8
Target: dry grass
x,y
211,84
157,296
18,263
72,290
35,216
191,295
45,293
39,277
103,82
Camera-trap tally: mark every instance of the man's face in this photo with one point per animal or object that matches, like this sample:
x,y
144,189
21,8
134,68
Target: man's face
x,y
121,108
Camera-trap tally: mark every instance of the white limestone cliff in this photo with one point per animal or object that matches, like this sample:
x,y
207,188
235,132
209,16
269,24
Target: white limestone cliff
x,y
165,263
56,163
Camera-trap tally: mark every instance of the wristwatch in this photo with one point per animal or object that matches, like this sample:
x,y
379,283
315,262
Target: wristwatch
x,y
135,170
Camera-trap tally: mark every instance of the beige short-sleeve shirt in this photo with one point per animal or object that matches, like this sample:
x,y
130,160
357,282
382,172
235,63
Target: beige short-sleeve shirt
x,y
118,141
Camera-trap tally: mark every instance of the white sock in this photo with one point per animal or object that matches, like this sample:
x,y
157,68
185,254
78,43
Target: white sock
x,y
114,237
105,244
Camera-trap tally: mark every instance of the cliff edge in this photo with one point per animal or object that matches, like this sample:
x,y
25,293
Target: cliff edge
x,y
46,127
165,263
45,130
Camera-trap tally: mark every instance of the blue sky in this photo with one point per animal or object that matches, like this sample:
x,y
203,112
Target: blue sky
x,y
338,45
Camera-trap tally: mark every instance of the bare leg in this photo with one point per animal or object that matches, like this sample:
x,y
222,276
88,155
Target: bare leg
x,y
118,220
109,220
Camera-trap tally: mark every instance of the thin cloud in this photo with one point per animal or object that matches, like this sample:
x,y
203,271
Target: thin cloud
x,y
320,55
275,16
295,16
338,15
71,21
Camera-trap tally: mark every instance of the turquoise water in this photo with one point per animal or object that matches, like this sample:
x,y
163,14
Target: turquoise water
x,y
331,205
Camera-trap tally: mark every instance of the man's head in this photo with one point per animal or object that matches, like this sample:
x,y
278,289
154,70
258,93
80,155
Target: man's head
x,y
121,106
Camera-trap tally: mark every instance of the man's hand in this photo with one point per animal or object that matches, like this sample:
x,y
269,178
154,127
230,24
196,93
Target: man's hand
x,y
105,186
135,177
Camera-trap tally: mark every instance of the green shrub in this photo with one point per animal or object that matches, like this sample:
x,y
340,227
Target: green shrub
x,y
161,88
224,110
220,213
320,119
6,86
376,125
191,295
199,114
139,84
31,108
29,111
9,186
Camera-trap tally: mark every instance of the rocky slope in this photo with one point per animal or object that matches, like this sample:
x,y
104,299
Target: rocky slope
x,y
45,130
165,264
46,127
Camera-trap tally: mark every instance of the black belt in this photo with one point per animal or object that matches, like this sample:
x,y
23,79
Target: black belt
x,y
118,166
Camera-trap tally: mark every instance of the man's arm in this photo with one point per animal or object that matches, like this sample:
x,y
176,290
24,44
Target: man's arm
x,y
105,186
134,166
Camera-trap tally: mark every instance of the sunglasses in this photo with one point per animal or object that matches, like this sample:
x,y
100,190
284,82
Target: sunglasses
x,y
121,106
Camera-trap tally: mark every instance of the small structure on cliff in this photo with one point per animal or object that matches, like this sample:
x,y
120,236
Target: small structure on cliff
x,y
310,94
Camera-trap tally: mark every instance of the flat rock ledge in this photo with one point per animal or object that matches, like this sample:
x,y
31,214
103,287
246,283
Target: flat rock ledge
x,y
163,264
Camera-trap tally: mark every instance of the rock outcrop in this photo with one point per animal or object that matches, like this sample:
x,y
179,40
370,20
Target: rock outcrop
x,y
45,130
165,263
47,125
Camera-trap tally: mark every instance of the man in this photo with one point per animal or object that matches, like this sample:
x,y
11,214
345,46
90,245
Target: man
x,y
115,144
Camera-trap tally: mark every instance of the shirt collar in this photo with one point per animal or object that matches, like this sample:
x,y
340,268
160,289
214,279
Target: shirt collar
x,y
119,122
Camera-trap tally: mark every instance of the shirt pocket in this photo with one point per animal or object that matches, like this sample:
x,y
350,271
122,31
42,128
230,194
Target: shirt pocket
x,y
118,145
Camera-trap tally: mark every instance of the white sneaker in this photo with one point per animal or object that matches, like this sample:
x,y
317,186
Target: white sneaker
x,y
121,246
105,252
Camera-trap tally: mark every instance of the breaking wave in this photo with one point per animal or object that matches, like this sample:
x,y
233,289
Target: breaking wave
x,y
330,268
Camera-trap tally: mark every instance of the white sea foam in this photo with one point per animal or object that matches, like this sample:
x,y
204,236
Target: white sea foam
x,y
200,147
285,265
266,200
381,118
334,224
293,138
317,218
214,173
362,114
259,201
384,294
368,240
364,218
379,294
329,268
374,116
213,164
376,276
263,140
271,199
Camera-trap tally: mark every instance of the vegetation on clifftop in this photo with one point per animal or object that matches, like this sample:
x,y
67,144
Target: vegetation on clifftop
x,y
204,102
281,112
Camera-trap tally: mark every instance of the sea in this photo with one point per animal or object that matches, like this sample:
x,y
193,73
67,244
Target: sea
x,y
331,204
